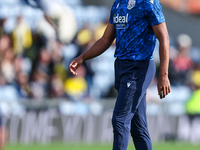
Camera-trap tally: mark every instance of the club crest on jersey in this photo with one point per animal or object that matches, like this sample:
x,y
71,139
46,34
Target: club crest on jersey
x,y
152,1
131,4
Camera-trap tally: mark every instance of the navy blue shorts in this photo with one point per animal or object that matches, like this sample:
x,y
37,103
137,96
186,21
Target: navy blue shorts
x,y
132,78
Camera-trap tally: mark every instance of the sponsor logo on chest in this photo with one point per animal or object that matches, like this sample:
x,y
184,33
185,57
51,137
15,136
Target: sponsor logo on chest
x,y
120,19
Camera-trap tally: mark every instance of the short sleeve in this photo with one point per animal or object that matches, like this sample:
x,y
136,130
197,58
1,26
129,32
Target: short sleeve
x,y
153,12
111,18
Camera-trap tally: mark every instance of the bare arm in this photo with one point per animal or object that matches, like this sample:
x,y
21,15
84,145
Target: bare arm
x,y
163,37
98,48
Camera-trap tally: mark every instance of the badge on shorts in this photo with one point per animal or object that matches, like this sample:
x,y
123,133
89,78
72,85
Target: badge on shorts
x,y
131,4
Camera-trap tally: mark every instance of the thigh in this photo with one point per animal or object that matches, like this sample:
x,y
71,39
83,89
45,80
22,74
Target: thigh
x,y
125,97
133,83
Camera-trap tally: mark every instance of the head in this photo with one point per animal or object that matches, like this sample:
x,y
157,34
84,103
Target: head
x,y
184,43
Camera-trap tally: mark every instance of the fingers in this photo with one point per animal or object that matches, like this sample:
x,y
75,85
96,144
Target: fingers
x,y
72,67
163,91
75,64
169,89
161,95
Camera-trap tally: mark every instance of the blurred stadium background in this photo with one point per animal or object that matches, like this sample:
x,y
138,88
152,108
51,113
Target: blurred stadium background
x,y
42,103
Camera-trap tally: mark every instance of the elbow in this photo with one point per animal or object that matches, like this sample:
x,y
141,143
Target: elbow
x,y
106,42
164,39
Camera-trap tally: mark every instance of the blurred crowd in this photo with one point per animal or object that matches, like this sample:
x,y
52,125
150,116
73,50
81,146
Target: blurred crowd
x,y
34,56
38,40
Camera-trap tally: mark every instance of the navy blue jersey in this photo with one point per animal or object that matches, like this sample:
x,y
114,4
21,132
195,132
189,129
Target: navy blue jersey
x,y
133,21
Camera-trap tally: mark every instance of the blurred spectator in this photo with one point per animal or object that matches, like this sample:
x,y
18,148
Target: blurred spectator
x,y
22,85
57,87
39,85
7,67
84,36
195,76
181,64
76,86
193,104
2,22
22,64
5,43
61,17
22,36
44,61
57,63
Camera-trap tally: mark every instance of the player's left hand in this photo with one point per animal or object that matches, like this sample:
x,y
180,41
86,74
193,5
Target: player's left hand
x,y
163,86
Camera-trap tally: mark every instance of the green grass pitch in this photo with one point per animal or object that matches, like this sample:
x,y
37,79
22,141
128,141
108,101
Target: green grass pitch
x,y
61,146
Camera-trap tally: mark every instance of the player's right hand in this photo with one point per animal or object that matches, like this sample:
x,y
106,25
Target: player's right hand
x,y
75,64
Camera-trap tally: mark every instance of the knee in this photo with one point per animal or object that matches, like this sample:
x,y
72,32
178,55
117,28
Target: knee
x,y
120,123
117,121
